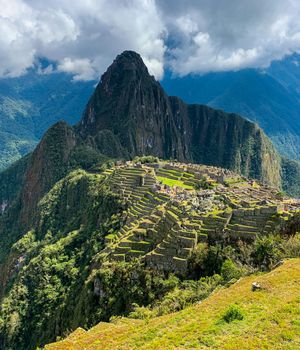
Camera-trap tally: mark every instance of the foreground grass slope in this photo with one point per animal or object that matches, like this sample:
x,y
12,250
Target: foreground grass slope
x,y
270,320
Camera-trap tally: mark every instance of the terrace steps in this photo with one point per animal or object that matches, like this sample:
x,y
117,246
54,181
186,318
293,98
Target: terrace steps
x,y
162,226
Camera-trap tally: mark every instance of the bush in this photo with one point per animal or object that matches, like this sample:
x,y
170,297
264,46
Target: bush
x,y
267,251
232,313
140,312
230,271
145,159
291,247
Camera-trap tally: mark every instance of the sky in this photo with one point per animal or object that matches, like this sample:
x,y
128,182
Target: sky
x,y
184,36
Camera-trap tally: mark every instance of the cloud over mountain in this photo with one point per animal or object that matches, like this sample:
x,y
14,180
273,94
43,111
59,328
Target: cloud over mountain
x,y
188,36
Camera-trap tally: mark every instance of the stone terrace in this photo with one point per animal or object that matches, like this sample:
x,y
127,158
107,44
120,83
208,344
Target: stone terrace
x,y
167,212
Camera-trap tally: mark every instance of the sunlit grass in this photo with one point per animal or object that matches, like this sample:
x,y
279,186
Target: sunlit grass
x,y
171,183
270,320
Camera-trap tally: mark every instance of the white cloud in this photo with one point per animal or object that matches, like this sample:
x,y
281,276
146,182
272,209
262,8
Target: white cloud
x,y
219,35
27,33
198,36
83,37
82,68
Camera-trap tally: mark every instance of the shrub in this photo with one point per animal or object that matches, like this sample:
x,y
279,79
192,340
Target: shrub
x,y
140,312
229,270
232,313
267,251
291,247
145,159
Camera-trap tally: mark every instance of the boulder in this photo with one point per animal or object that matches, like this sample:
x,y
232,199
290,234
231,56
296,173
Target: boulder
x,y
255,286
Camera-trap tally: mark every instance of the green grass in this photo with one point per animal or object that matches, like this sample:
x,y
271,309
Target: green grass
x,y
231,318
233,180
171,183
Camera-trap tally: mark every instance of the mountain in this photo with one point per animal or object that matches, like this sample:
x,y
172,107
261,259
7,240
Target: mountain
x,y
287,72
144,120
30,104
129,114
268,97
93,225
203,326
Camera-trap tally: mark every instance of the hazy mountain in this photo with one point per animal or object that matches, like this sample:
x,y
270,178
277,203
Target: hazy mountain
x,y
30,104
267,97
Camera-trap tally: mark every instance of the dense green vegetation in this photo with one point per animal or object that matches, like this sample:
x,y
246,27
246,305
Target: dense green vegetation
x,y
52,261
291,177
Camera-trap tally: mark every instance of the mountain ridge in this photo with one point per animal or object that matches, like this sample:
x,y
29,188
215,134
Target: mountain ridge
x,y
31,103
269,97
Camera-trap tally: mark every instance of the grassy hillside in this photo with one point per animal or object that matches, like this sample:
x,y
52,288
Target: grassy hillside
x,y
265,319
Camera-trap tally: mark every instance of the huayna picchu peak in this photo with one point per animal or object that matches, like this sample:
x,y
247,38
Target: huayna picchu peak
x,y
147,205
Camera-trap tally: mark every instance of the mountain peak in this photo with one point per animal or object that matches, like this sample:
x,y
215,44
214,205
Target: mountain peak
x,y
128,64
129,55
129,114
124,88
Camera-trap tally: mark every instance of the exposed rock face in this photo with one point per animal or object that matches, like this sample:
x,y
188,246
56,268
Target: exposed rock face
x,y
141,119
133,106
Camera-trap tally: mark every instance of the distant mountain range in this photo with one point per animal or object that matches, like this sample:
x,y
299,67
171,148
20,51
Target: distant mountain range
x,y
30,104
269,97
